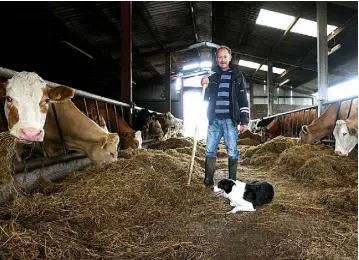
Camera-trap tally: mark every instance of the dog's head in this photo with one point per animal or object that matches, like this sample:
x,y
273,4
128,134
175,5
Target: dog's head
x,y
224,187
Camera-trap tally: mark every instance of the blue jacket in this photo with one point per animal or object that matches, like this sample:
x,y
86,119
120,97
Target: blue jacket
x,y
239,109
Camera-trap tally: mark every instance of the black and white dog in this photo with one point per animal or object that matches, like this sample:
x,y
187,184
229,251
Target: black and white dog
x,y
244,196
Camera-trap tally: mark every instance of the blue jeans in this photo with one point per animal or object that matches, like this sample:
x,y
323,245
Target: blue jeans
x,y
226,129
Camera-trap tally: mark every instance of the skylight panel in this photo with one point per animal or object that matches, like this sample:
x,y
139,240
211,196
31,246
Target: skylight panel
x,y
275,69
255,65
308,27
274,19
248,64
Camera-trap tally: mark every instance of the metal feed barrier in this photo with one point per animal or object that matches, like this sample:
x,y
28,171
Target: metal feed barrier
x,y
305,116
85,96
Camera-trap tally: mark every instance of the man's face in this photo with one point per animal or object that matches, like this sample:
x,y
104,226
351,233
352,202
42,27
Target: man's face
x,y
223,59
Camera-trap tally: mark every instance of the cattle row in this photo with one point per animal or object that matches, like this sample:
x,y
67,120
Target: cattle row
x,y
339,119
36,113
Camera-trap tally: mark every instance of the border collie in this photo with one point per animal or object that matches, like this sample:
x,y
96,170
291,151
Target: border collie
x,y
244,196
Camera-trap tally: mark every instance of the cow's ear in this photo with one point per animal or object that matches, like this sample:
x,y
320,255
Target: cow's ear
x,y
305,129
60,94
353,131
3,88
104,140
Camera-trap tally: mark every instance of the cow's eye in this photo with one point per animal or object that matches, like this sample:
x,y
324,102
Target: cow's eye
x,y
47,100
8,99
344,134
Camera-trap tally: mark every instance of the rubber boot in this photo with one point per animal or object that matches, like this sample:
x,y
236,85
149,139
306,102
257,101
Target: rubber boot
x,y
232,168
209,169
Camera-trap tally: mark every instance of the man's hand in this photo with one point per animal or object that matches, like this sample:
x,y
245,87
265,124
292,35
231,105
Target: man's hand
x,y
204,80
243,129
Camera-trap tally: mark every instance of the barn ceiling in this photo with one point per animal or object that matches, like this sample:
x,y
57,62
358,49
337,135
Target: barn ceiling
x,y
44,36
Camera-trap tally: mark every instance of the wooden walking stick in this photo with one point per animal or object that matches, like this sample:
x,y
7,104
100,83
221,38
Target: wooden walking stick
x,y
204,86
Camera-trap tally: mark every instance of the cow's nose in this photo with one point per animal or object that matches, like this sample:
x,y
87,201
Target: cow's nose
x,y
31,134
338,152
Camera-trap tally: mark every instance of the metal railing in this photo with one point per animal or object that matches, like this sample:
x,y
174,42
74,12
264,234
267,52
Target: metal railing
x,y
85,96
291,122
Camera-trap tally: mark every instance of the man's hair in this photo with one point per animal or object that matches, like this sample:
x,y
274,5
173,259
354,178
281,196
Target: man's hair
x,y
224,47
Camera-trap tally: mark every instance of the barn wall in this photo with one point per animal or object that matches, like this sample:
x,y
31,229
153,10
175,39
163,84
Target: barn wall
x,y
259,106
151,96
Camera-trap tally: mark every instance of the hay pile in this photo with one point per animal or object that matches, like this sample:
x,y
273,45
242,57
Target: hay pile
x,y
265,154
8,154
248,135
333,177
172,143
125,210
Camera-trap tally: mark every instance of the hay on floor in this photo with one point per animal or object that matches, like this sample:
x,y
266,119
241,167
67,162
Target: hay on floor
x,y
115,210
265,154
172,143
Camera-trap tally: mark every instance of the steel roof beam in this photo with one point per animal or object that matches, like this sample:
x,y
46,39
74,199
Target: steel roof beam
x,y
286,75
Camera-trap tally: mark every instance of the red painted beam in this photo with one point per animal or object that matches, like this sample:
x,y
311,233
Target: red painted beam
x,y
126,57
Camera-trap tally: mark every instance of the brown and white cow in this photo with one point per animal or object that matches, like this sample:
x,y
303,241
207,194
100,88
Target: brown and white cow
x,y
27,102
80,134
324,125
127,134
346,135
31,120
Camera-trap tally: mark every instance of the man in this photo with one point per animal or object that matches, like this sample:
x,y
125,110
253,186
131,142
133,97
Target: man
x,y
227,108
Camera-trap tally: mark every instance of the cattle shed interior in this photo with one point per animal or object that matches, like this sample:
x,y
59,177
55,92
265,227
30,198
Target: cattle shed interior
x,y
83,45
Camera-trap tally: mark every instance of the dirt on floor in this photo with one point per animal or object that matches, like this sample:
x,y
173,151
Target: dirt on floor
x,y
141,208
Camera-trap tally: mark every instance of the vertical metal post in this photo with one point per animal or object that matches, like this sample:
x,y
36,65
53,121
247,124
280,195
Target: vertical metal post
x,y
98,113
122,115
115,112
182,104
167,107
126,56
322,55
64,148
251,91
3,116
350,108
108,118
85,106
270,87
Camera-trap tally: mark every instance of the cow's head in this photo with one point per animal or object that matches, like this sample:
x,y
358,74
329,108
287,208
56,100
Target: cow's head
x,y
106,149
305,136
345,138
26,99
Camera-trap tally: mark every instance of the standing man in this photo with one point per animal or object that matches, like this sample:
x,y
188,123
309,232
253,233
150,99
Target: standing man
x,y
227,108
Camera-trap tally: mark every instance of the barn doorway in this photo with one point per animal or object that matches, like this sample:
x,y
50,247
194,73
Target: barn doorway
x,y
194,111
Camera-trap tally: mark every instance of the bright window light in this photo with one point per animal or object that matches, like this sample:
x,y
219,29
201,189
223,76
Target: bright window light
x,y
282,21
343,90
206,64
190,66
255,65
274,19
192,81
248,64
275,69
178,83
308,27
194,112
